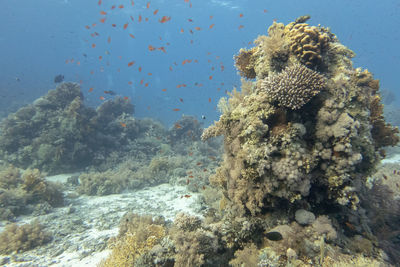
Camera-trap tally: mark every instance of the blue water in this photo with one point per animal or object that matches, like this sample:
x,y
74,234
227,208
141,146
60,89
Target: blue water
x,y
37,37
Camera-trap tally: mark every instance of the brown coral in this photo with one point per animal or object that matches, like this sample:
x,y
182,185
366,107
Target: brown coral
x,y
294,86
308,42
383,133
243,62
22,238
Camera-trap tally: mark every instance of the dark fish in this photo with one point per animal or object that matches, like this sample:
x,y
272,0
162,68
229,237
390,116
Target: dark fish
x,y
274,236
59,78
110,92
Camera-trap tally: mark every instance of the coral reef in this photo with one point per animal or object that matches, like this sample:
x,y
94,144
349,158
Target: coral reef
x,y
58,133
16,238
19,193
305,136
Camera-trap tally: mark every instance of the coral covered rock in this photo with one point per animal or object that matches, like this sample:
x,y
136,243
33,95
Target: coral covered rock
x,y
58,133
306,136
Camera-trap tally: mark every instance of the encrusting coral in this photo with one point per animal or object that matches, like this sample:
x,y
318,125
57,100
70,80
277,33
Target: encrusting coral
x,y
307,135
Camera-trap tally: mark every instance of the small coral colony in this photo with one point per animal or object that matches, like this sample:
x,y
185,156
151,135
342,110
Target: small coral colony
x,y
300,141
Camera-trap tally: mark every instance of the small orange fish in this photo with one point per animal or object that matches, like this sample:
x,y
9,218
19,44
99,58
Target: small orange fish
x,y
90,89
190,20
178,126
210,78
164,19
121,6
141,81
162,48
170,68
102,20
197,28
147,84
187,196
211,26
109,39
99,2
176,109
126,98
265,11
148,5
125,26
132,18
114,25
132,3
149,73
209,100
151,48
122,124
155,12
198,163
211,17
191,176
87,27
130,82
164,90
186,1
180,99
103,12
131,63
241,15
140,18
93,45
240,27
101,97
131,35
140,69
182,31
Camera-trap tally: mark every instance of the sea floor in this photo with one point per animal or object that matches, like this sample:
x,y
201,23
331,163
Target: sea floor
x,y
81,228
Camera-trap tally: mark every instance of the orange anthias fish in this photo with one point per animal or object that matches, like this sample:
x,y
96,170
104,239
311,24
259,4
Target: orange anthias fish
x,y
176,109
123,124
164,19
151,48
131,63
126,26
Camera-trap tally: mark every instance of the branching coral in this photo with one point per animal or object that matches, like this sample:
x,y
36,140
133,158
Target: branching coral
x,y
138,235
294,86
16,238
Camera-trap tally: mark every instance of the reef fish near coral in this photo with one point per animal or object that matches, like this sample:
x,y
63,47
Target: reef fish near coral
x,y
59,78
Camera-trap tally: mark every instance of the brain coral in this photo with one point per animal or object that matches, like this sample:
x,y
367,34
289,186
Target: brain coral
x,y
294,86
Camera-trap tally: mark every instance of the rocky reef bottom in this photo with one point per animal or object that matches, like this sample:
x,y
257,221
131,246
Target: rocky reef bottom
x,y
81,229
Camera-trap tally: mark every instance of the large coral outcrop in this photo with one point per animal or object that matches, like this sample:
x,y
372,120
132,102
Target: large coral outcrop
x,y
306,134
